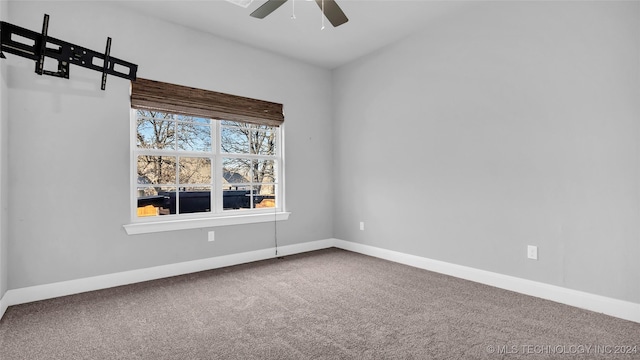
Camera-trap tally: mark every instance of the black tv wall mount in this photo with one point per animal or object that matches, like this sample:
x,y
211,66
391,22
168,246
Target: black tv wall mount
x,y
35,46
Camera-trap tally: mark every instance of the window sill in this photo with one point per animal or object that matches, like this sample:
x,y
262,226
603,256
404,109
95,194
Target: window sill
x,y
184,224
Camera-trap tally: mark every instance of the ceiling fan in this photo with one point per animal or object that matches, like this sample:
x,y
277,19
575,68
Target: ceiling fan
x,y
331,10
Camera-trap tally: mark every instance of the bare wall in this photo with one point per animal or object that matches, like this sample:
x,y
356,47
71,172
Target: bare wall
x,y
4,242
69,145
508,124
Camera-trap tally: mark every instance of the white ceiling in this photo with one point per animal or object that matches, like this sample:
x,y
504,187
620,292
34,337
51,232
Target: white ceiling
x,y
372,24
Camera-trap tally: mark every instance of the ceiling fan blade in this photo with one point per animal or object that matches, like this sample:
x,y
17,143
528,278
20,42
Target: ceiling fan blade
x,y
333,12
267,8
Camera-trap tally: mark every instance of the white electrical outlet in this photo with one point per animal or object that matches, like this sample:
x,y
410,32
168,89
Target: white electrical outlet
x,y
211,236
532,252
362,225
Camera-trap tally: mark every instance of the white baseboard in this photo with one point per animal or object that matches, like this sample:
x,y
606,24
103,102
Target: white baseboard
x,y
602,304
613,307
3,306
64,288
305,247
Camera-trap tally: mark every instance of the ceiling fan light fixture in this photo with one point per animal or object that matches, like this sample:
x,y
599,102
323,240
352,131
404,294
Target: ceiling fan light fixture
x,y
329,9
244,3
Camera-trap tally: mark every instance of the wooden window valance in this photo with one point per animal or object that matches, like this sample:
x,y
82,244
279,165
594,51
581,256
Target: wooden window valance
x,y
177,99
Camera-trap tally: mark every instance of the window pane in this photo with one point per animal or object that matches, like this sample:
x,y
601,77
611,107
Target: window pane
x,y
195,170
264,196
153,133
155,201
236,170
236,197
156,169
263,142
195,199
263,171
193,137
234,140
242,138
230,123
193,119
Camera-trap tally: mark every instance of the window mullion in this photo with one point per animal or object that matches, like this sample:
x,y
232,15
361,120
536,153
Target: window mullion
x,y
217,195
176,138
133,142
279,173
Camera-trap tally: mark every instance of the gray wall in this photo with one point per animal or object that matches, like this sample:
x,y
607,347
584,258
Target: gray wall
x,y
504,125
69,145
4,241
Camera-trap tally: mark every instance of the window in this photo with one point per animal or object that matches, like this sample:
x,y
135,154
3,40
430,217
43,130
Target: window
x,y
189,166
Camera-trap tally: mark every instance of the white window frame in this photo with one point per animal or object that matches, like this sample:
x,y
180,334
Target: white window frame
x,y
218,216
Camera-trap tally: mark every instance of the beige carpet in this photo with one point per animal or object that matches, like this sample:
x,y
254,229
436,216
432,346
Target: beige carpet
x,y
329,304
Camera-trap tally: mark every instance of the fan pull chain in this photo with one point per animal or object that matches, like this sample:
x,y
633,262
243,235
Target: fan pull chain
x,y
293,9
322,15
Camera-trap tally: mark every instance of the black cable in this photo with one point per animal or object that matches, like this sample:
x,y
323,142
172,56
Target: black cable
x,y
275,228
